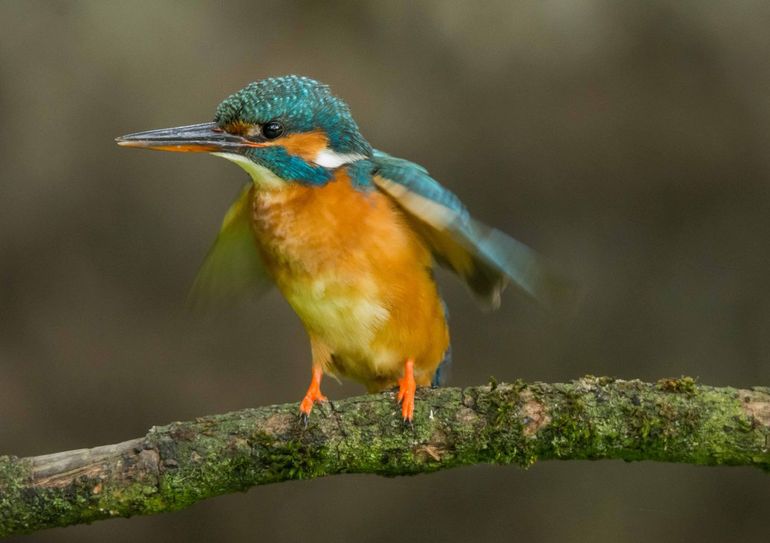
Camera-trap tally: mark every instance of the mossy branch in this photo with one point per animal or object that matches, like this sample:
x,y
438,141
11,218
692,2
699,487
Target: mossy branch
x,y
174,466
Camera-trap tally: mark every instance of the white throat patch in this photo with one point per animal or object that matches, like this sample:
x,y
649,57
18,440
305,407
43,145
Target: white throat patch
x,y
261,176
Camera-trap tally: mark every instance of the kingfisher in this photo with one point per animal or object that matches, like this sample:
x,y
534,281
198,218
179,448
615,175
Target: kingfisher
x,y
350,236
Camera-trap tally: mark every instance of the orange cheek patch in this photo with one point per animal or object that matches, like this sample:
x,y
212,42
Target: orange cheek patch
x,y
306,146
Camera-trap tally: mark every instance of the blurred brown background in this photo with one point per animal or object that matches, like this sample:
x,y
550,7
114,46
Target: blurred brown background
x,y
628,141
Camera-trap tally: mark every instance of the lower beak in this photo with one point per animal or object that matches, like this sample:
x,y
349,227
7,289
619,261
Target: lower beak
x,y
195,138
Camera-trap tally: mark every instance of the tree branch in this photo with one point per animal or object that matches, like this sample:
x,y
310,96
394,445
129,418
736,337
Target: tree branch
x,y
173,466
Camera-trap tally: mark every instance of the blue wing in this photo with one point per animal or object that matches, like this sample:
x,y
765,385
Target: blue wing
x,y
485,258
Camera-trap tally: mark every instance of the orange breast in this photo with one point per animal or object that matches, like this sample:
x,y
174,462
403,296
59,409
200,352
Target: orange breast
x,y
358,277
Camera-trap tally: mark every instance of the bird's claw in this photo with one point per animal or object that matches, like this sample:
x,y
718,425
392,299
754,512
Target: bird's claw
x,y
312,396
307,403
310,399
406,389
303,418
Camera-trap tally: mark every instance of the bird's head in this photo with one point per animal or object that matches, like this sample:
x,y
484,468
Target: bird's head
x,y
281,129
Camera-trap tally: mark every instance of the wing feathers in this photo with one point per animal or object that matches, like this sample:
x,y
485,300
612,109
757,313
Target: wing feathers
x,y
233,267
485,258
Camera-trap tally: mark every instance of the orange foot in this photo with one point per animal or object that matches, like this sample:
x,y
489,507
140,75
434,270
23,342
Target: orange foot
x,y
406,390
312,395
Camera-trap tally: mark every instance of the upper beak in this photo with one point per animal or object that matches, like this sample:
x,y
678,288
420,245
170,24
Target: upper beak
x,y
195,138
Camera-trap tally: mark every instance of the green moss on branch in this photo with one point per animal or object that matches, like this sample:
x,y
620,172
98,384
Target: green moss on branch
x,y
173,466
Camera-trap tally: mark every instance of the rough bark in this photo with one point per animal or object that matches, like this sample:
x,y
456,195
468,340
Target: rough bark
x,y
173,466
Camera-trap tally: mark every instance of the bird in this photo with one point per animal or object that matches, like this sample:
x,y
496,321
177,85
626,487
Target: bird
x,y
349,235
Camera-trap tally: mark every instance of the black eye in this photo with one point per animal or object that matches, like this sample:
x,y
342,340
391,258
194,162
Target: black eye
x,y
272,130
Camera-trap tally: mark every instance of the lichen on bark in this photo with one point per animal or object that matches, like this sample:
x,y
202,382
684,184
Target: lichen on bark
x,y
173,466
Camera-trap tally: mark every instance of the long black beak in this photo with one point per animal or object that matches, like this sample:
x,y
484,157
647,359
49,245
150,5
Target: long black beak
x,y
195,138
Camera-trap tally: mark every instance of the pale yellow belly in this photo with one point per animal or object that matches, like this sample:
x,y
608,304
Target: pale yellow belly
x,y
350,322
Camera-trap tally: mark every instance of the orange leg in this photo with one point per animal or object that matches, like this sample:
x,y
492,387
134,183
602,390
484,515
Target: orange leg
x,y
406,390
313,393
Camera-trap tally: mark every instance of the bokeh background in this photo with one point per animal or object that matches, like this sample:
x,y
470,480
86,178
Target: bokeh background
x,y
628,141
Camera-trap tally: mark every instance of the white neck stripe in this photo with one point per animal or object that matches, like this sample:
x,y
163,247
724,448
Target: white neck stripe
x,y
332,159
